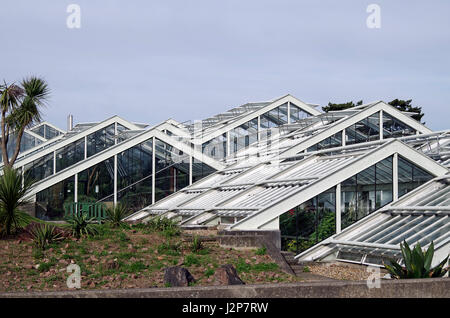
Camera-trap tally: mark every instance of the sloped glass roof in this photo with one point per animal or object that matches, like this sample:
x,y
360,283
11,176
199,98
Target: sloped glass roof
x,y
422,216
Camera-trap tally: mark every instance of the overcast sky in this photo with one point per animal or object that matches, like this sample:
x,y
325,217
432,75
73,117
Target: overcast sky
x,y
148,61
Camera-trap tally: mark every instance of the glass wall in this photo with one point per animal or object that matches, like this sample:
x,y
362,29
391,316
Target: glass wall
x,y
97,182
366,191
393,128
172,170
135,176
216,147
46,131
40,168
309,223
297,114
365,130
50,202
28,141
200,170
69,155
275,117
244,135
410,176
330,142
100,140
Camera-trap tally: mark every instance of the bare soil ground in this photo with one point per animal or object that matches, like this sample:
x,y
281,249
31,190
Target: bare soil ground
x,y
124,258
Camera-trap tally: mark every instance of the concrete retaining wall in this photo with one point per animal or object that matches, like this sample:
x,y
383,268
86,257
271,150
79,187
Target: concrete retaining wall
x,y
248,239
417,288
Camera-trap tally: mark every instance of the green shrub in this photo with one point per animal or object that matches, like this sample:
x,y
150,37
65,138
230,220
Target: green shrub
x,y
171,232
196,244
261,251
209,272
44,235
80,225
162,224
306,269
417,263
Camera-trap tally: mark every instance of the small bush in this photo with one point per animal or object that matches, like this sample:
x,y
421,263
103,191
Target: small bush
x,y
162,224
306,269
197,244
209,272
261,251
171,232
44,235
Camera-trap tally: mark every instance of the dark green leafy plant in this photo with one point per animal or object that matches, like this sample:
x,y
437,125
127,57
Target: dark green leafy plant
x,y
261,251
197,244
80,225
162,224
44,235
12,197
417,263
115,215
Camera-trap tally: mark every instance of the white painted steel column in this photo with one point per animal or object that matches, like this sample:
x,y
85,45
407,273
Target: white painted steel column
x,y
54,162
381,125
85,147
115,133
153,169
395,177
259,128
75,189
228,144
190,169
289,113
115,180
338,208
343,138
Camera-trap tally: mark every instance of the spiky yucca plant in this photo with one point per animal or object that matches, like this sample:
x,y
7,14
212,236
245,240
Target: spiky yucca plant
x,y
81,225
12,197
115,215
44,235
417,263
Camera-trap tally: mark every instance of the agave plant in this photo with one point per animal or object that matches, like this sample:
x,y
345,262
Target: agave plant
x,y
417,263
81,225
115,215
44,235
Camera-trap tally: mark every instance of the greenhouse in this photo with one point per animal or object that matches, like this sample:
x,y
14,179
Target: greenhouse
x,y
279,165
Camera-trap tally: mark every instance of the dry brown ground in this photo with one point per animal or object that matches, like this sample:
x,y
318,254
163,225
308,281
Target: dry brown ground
x,y
139,256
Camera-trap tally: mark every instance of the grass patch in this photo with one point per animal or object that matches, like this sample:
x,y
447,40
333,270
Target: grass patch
x,y
191,259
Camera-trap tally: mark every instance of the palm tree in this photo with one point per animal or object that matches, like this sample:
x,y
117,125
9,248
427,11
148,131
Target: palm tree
x,y
12,197
20,109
